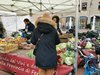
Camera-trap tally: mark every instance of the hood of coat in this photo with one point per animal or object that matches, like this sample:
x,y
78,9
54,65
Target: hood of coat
x,y
45,25
44,28
45,20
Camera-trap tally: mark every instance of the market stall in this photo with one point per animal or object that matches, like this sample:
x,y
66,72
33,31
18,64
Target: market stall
x,y
16,55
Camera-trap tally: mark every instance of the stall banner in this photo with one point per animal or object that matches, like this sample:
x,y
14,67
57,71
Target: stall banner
x,y
18,65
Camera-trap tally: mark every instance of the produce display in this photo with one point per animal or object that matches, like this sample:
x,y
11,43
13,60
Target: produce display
x,y
67,58
6,47
64,56
70,45
3,43
89,43
72,39
11,44
89,34
98,40
61,48
25,46
65,51
20,40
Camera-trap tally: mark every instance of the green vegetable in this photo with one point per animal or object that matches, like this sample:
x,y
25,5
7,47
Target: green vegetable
x,y
98,40
70,45
68,57
60,46
88,45
69,60
72,39
30,54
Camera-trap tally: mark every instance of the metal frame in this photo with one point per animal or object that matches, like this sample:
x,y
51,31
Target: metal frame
x,y
47,3
48,9
43,5
76,36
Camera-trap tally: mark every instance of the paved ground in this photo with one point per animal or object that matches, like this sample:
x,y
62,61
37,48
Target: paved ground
x,y
4,73
80,72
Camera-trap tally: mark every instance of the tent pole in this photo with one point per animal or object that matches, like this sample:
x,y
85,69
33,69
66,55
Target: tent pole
x,y
76,36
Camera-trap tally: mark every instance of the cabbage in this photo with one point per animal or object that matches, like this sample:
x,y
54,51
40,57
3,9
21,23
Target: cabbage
x,y
63,56
88,45
72,39
69,60
70,45
72,54
68,57
60,46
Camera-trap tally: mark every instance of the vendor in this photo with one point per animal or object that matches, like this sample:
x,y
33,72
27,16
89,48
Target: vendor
x,y
29,27
56,19
2,30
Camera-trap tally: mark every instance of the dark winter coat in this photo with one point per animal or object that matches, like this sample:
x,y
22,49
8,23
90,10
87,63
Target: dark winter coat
x,y
46,55
30,27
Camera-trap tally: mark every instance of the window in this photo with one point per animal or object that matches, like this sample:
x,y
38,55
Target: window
x,y
99,6
84,6
83,22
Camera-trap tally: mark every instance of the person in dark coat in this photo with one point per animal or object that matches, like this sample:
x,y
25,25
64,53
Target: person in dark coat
x,y
2,30
29,27
46,55
56,19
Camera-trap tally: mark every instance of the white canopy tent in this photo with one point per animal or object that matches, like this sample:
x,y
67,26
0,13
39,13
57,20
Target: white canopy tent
x,y
35,7
7,13
32,9
22,7
11,21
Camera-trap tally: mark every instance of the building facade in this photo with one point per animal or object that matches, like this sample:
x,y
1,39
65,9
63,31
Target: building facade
x,y
88,9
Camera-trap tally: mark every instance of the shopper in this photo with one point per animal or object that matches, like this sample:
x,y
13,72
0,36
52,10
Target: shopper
x,y
46,55
2,30
56,19
29,27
